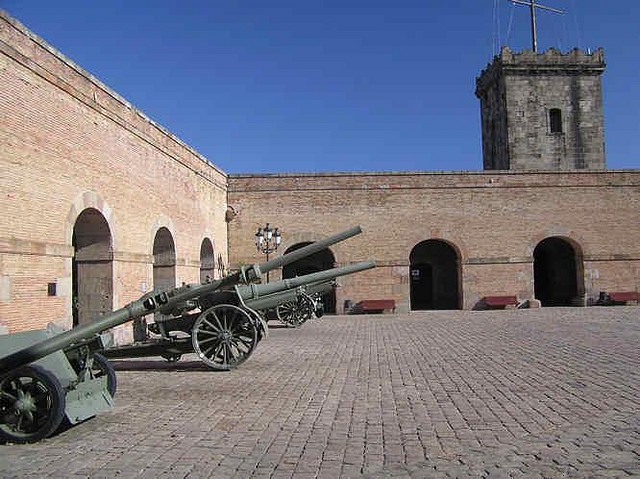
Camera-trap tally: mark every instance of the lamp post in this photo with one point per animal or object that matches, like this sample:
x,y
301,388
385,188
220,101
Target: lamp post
x,y
267,241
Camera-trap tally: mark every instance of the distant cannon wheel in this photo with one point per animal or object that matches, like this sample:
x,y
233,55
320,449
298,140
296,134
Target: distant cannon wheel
x,y
224,336
32,405
318,306
102,367
296,312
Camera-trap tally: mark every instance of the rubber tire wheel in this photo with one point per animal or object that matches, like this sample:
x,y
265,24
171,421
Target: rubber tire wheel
x,y
32,384
102,367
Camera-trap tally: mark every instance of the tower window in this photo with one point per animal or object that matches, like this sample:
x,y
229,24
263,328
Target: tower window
x,y
555,120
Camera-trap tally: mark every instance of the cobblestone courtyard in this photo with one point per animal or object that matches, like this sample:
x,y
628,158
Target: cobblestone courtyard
x,y
532,393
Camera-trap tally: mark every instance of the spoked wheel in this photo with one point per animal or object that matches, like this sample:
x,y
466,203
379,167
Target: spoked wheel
x,y
102,367
296,312
224,336
260,322
318,306
32,405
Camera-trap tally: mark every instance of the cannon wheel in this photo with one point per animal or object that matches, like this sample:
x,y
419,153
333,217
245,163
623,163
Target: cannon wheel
x,y
259,321
102,367
32,405
224,336
296,312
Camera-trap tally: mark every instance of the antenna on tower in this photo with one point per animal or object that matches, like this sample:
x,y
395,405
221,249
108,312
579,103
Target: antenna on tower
x,y
533,5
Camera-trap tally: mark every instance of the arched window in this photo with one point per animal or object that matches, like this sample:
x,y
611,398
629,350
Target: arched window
x,y
555,120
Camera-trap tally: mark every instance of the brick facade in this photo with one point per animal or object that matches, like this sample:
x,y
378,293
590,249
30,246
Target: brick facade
x,y
70,145
493,220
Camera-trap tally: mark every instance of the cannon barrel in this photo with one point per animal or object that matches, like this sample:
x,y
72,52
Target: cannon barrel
x,y
161,301
308,250
273,300
255,291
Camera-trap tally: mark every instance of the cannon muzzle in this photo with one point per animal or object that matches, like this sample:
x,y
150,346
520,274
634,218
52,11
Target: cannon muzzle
x,y
161,301
254,291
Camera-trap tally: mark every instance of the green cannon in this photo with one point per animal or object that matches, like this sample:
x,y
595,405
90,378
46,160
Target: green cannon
x,y
48,375
307,304
229,323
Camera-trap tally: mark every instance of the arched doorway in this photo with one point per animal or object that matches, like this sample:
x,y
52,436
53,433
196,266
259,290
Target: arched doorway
x,y
207,261
164,260
434,275
557,270
312,264
92,267
164,275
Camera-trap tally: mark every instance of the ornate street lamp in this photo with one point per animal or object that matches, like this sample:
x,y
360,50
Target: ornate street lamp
x,y
267,241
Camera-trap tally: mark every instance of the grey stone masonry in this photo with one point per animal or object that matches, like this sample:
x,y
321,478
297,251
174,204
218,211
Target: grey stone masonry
x,y
542,111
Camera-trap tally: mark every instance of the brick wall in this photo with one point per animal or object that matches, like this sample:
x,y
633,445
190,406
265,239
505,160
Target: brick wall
x,y
70,143
493,219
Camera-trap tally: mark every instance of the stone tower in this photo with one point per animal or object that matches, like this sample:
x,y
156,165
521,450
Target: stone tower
x,y
542,111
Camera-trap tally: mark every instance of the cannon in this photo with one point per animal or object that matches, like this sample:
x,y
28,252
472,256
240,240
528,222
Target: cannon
x,y
229,323
307,305
47,376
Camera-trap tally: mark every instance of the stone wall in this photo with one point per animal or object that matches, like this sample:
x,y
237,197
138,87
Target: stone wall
x,y
518,91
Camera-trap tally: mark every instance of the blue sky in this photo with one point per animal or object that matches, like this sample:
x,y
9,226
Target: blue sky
x,y
338,85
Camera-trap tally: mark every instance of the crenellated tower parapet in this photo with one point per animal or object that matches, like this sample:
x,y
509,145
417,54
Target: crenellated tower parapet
x,y
542,110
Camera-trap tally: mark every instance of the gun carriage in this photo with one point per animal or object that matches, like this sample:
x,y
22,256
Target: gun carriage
x,y
47,376
229,324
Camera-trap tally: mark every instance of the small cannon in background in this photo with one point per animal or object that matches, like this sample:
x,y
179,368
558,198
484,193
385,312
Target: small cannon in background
x,y
304,306
47,375
230,323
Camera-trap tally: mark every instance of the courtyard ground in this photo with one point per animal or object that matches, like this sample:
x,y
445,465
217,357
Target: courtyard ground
x,y
553,392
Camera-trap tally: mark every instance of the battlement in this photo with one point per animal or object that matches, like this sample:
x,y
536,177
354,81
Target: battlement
x,y
542,110
552,56
550,62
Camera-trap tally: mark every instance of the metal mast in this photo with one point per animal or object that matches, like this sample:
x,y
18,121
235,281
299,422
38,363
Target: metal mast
x,y
533,5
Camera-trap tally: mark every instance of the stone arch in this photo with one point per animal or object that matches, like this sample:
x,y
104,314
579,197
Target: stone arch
x,y
435,275
91,267
294,239
85,200
164,259
558,272
320,261
164,273
207,260
163,253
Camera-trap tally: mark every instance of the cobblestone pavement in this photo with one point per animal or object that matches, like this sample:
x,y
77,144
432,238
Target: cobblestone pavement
x,y
531,393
